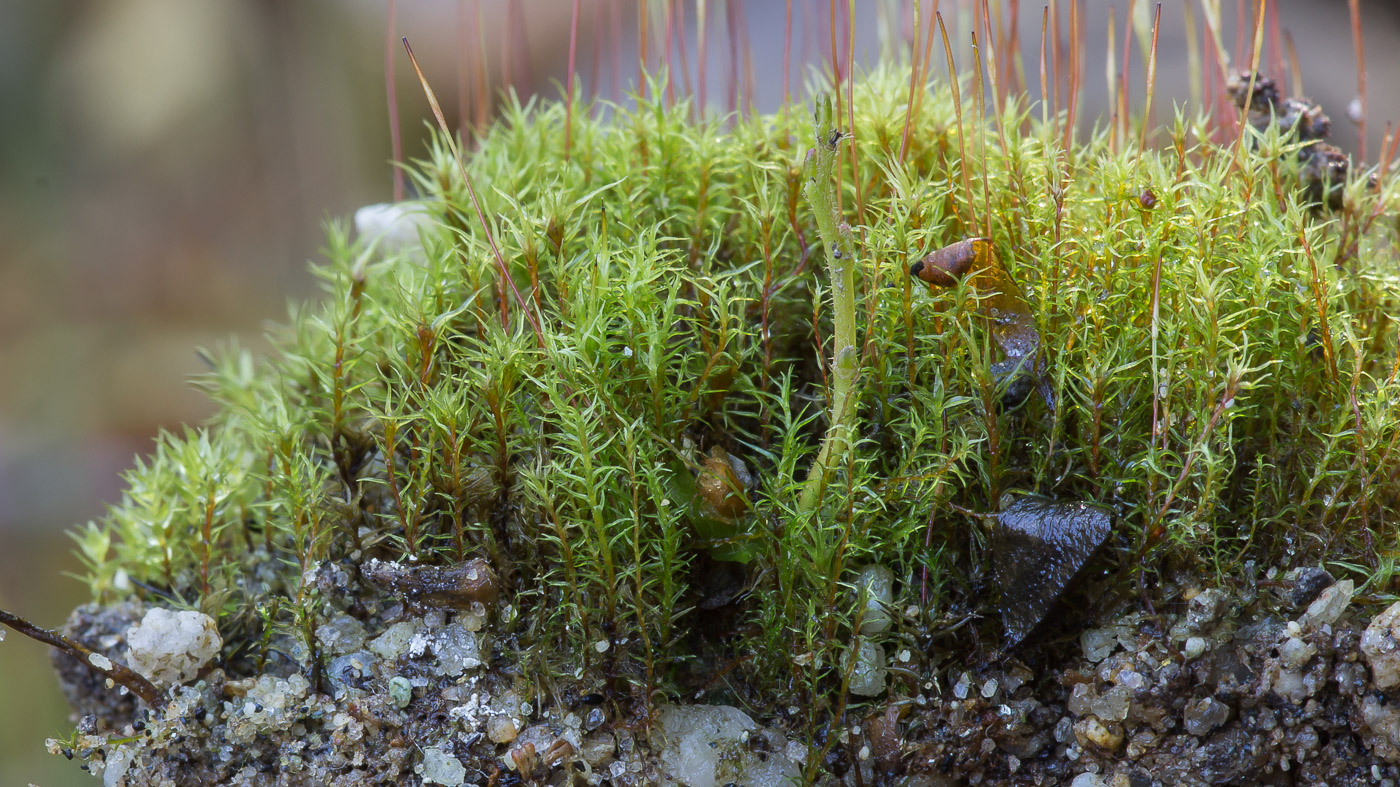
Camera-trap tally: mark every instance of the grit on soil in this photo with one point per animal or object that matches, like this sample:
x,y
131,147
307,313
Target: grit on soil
x,y
1277,681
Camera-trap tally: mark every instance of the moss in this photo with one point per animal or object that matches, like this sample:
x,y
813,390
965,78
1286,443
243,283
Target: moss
x,y
1220,357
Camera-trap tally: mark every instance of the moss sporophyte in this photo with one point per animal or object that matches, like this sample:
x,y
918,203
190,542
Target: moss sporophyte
x,y
595,434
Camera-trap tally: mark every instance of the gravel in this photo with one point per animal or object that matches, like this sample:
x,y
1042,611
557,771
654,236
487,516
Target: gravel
x,y
1233,687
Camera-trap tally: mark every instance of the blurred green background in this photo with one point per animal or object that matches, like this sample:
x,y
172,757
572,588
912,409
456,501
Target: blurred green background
x,y
166,167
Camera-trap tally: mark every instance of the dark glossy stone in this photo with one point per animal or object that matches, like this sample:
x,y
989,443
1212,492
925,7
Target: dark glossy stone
x,y
1038,545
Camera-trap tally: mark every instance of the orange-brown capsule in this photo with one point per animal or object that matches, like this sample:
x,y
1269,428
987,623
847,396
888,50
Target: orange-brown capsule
x,y
943,267
999,300
721,483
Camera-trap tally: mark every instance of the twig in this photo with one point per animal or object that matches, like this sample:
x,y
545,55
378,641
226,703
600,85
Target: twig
x,y
119,673
471,191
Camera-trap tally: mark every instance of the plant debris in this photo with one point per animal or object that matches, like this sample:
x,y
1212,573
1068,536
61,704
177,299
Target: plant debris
x,y
1323,167
1000,301
460,586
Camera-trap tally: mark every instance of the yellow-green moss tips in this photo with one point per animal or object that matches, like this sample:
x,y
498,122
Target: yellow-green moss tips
x,y
1222,359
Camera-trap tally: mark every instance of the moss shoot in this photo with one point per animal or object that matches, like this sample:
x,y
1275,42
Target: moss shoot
x,y
1217,351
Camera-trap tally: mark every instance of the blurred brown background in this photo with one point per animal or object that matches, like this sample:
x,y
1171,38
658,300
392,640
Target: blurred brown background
x,y
166,166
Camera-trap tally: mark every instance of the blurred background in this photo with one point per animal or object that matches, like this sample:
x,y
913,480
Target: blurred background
x,y
166,169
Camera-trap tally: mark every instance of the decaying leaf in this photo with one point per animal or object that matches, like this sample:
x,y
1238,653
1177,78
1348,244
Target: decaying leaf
x,y
713,493
1008,316
721,483
457,586
1038,546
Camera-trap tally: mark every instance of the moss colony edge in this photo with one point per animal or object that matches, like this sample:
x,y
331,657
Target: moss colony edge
x,y
438,543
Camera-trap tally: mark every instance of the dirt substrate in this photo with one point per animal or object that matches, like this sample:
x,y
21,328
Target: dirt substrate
x,y
1280,685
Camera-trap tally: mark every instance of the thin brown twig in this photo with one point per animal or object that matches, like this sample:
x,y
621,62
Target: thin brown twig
x,y
1294,71
971,223
391,95
1076,49
1123,76
702,51
463,73
913,79
1359,42
1253,76
666,25
1275,45
685,57
851,108
476,204
643,34
121,674
1044,85
787,52
1151,81
569,87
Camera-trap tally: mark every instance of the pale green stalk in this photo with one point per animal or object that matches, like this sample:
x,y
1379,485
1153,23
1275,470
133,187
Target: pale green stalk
x,y
820,189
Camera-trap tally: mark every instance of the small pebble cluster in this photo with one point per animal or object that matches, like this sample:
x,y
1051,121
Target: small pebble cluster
x,y
410,695
1250,686
1277,681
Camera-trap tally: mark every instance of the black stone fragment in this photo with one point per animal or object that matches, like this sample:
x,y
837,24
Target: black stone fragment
x,y
1038,545
1307,583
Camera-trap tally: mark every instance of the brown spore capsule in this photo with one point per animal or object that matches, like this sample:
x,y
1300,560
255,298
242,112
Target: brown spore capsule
x,y
945,266
721,483
1147,200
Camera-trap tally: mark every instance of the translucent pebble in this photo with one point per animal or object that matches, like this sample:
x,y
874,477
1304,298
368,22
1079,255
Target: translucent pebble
x,y
1381,647
400,691
172,647
501,729
456,649
1131,680
868,672
440,767
1098,644
1204,715
1112,705
1329,605
394,642
352,670
1294,653
876,586
474,618
1081,699
1193,648
340,635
